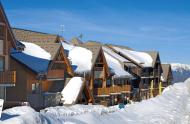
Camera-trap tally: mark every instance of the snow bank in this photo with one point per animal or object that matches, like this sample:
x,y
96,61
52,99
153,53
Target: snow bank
x,y
72,90
81,57
1,106
172,107
62,111
20,115
140,57
116,66
36,51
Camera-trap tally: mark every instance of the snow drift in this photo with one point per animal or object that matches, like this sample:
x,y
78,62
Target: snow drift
x,y
172,107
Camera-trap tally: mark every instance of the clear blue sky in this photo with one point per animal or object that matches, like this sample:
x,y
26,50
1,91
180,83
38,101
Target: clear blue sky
x,y
162,25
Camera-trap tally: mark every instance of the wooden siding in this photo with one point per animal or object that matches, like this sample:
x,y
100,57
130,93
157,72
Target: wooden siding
x,y
112,90
7,78
55,74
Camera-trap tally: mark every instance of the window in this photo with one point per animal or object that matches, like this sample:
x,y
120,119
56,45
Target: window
x,y
1,64
35,88
1,47
98,83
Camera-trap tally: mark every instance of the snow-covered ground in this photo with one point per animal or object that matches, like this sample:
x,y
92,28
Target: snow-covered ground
x,y
172,107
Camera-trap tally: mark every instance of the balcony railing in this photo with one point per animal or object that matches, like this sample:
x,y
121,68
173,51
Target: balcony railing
x,y
112,90
55,74
7,78
147,74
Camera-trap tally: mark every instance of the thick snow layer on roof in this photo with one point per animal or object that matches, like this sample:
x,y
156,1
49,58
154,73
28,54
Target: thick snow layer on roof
x,y
140,57
116,67
34,63
72,90
113,54
80,57
172,107
36,51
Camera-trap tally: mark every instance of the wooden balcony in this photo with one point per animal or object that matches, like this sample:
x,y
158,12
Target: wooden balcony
x,y
112,90
55,74
7,78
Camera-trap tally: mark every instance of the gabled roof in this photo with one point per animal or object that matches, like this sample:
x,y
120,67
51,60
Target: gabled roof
x,y
114,45
154,55
93,43
13,41
76,41
116,63
34,36
80,57
35,64
166,70
51,48
95,52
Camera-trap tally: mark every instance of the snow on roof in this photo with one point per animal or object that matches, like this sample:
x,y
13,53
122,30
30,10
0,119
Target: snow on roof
x,y
71,91
115,55
34,63
80,57
33,56
115,65
140,57
36,51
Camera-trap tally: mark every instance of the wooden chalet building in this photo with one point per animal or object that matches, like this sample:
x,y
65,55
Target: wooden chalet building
x,y
39,79
43,39
147,74
167,76
106,85
7,42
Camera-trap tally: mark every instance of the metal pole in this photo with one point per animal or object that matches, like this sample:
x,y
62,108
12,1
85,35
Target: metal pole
x,y
5,93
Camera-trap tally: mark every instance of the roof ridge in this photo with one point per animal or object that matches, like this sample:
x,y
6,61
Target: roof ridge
x,y
29,30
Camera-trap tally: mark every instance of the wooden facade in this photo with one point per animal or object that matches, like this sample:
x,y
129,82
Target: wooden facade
x,y
106,90
34,87
7,42
147,79
167,76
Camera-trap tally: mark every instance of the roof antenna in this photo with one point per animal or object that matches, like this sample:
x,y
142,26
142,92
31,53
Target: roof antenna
x,y
62,29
